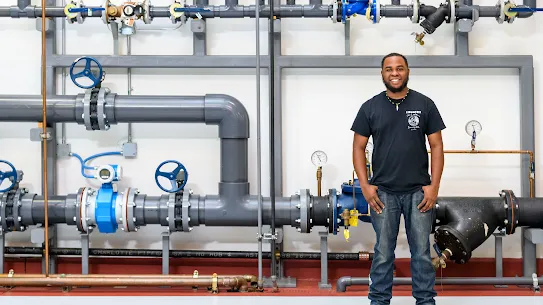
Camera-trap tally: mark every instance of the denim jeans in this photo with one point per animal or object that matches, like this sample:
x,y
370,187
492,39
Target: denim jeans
x,y
418,227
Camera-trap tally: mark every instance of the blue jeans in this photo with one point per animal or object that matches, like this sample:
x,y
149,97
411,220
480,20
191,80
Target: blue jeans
x,y
418,227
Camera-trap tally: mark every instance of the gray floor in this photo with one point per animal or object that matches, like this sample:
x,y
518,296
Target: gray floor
x,y
227,300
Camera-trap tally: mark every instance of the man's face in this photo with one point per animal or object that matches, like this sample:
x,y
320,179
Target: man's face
x,y
395,74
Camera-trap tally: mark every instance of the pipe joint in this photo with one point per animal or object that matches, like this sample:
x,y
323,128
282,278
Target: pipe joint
x,y
229,113
96,109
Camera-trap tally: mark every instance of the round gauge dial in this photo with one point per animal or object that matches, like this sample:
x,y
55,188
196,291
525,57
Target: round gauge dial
x,y
473,126
319,158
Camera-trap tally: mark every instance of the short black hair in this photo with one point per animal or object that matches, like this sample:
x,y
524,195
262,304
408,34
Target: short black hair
x,y
392,55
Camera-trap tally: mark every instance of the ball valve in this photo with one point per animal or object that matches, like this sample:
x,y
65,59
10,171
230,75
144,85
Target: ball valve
x,y
74,11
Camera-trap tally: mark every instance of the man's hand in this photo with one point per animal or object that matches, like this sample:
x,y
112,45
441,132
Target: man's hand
x,y
430,198
370,194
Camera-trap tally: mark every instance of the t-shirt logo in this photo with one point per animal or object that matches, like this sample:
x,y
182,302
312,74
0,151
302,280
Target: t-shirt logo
x,y
413,119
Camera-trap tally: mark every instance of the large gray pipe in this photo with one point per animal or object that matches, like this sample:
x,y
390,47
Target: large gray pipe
x,y
222,110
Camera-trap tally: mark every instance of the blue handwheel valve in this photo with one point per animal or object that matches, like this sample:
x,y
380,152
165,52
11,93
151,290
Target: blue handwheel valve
x,y
87,72
174,176
7,175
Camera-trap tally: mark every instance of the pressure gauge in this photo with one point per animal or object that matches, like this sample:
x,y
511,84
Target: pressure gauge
x,y
319,158
473,126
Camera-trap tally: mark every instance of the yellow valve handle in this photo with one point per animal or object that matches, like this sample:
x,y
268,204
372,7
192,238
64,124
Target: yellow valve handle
x,y
368,14
67,11
346,234
353,218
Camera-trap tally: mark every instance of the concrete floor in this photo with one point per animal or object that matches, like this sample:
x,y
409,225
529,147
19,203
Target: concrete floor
x,y
263,300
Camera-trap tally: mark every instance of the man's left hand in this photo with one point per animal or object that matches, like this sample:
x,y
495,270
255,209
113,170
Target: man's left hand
x,y
430,198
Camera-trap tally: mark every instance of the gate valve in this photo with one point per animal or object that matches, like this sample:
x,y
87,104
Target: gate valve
x,y
11,175
177,178
96,79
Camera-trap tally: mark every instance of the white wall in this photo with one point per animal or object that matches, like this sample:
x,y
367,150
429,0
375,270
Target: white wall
x,y
318,109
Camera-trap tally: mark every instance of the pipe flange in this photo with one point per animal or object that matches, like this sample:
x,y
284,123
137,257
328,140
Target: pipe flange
x,y
501,5
3,222
26,207
185,216
416,6
86,115
447,237
147,18
103,123
128,207
304,211
452,16
332,202
16,213
171,213
78,204
86,210
511,204
335,6
377,17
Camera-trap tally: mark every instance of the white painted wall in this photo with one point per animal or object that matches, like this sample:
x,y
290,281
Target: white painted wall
x,y
319,107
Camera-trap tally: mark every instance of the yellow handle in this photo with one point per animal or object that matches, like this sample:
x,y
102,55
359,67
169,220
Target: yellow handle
x,y
353,218
346,234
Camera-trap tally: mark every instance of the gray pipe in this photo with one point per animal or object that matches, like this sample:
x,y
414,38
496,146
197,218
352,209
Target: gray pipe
x,y
222,110
312,10
344,282
208,210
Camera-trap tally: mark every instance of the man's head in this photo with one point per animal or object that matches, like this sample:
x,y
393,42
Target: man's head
x,y
395,72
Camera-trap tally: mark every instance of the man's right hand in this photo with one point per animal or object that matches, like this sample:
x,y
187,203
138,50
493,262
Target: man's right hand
x,y
370,194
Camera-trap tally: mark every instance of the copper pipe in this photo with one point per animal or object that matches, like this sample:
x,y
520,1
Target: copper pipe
x,y
247,277
44,133
522,152
59,280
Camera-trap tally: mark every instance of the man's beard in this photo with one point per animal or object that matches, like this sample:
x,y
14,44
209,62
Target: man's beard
x,y
396,90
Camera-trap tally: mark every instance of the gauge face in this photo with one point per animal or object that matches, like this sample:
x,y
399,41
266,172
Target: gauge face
x,y
473,126
319,158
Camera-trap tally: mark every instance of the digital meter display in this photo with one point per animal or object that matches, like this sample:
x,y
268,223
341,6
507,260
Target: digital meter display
x,y
105,173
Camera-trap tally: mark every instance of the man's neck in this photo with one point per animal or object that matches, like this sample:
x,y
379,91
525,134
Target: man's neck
x,y
397,95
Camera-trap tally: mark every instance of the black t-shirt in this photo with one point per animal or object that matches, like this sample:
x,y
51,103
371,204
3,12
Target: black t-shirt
x,y
399,129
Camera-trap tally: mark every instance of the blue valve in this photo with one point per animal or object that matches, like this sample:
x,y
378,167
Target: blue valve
x,y
87,72
345,200
358,7
172,176
7,175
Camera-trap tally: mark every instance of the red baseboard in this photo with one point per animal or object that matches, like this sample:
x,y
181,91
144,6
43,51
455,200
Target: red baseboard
x,y
307,274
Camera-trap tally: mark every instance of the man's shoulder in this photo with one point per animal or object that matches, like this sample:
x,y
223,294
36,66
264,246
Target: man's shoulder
x,y
420,96
372,101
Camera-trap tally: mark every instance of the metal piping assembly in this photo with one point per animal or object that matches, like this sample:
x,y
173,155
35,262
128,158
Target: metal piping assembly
x,y
128,13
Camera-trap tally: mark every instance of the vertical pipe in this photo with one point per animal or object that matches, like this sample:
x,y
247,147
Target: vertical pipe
x,y
44,132
271,48
129,75
64,70
259,146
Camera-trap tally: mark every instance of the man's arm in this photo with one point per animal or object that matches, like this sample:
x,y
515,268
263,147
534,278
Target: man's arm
x,y
359,158
359,162
437,163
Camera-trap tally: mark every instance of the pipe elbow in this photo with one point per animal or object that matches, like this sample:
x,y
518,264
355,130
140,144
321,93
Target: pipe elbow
x,y
342,283
465,224
229,113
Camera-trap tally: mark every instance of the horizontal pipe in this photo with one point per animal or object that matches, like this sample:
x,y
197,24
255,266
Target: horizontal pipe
x,y
360,256
244,11
60,280
344,282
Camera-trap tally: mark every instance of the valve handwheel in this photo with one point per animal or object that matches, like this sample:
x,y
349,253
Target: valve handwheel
x,y
87,72
7,175
171,176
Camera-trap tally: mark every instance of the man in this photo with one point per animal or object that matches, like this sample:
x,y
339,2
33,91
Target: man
x,y
399,120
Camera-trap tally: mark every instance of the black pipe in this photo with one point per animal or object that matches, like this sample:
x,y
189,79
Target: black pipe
x,y
530,213
436,18
465,223
188,253
345,281
271,51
